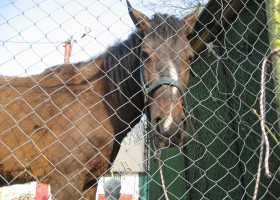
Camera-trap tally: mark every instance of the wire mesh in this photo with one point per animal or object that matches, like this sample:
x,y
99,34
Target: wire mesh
x,y
49,133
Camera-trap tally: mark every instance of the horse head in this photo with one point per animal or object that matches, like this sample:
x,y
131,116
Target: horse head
x,y
165,58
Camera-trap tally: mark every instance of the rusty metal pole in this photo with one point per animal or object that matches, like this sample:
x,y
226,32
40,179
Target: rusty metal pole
x,y
67,53
69,43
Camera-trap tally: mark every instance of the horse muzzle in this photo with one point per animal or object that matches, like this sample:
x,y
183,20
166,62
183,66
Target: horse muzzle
x,y
167,114
169,132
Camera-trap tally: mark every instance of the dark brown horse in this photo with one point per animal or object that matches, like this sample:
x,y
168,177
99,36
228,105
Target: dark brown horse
x,y
64,126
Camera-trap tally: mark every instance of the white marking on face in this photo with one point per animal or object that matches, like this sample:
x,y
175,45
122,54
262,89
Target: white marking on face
x,y
172,71
173,74
174,90
168,122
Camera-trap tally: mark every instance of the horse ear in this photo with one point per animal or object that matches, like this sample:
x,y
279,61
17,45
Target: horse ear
x,y
191,20
140,20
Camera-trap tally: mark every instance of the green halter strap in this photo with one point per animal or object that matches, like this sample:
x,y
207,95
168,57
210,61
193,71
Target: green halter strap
x,y
162,81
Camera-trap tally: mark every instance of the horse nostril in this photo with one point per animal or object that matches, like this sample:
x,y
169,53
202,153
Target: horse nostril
x,y
184,122
158,119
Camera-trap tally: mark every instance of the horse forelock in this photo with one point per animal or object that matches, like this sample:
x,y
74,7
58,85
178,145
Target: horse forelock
x,y
165,26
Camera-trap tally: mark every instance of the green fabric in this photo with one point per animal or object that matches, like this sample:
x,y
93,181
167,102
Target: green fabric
x,y
221,154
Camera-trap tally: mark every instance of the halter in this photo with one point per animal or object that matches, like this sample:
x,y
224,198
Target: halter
x,y
162,81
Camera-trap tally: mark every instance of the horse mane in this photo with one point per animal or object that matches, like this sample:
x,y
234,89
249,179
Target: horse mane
x,y
121,66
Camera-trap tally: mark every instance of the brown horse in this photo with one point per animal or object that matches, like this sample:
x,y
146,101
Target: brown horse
x,y
64,126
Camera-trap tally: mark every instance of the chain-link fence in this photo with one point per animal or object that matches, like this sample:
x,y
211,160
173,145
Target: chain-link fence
x,y
65,125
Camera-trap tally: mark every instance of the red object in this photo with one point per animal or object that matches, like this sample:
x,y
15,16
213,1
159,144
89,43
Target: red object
x,y
42,191
123,197
68,49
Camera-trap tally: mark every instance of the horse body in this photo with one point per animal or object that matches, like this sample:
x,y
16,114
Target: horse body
x,y
58,127
59,134
64,126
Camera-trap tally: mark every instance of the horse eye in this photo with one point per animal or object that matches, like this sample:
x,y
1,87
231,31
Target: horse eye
x,y
144,55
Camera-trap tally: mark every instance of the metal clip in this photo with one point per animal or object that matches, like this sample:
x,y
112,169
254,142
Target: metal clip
x,y
81,34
